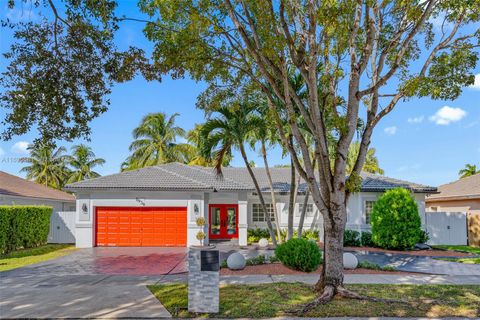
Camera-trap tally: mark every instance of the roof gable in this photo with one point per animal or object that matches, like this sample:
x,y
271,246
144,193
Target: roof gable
x,y
15,186
465,187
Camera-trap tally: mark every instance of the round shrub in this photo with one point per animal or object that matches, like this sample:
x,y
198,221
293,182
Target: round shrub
x,y
299,254
395,220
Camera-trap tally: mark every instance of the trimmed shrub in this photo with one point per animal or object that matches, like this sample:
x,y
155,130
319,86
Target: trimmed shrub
x,y
424,237
253,235
256,234
395,220
366,239
23,227
351,238
299,254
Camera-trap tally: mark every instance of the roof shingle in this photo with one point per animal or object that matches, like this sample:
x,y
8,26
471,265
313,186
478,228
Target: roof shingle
x,y
468,187
180,177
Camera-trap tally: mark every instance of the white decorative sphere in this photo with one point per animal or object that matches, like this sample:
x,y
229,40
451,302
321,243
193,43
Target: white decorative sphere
x,y
349,261
263,243
236,261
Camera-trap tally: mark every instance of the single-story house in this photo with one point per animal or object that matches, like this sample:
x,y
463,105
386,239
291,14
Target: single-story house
x,y
18,191
159,205
462,195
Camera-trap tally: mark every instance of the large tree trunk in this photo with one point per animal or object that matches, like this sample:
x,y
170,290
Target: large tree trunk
x,y
260,195
334,221
272,193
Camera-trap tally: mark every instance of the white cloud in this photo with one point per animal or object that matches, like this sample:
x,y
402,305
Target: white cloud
x,y
2,152
390,130
418,119
412,167
476,84
446,115
440,23
20,147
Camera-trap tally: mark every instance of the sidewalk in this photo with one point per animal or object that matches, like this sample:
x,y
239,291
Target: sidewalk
x,y
349,279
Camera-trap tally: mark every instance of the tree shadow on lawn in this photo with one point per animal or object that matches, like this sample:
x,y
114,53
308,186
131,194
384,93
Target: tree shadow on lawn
x,y
283,299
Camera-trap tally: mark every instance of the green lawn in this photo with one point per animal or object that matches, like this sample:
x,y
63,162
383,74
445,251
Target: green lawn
x,y
274,300
468,249
25,257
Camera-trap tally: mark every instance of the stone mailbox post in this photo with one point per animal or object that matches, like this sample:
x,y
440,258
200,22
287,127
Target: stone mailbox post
x,y
203,280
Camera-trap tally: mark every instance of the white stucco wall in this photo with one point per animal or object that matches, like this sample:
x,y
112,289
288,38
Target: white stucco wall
x,y
85,227
56,205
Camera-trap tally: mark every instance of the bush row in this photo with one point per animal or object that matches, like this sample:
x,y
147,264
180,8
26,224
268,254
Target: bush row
x,y
23,227
353,238
256,234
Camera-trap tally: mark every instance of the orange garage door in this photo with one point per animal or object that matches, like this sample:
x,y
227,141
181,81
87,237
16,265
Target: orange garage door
x,y
141,227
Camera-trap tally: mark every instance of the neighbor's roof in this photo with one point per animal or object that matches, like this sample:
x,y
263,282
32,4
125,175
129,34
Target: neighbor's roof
x,y
465,188
180,177
15,186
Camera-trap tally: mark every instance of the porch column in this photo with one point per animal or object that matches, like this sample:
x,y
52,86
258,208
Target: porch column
x,y
242,219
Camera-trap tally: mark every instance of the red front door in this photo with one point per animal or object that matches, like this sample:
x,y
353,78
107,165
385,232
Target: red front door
x,y
223,221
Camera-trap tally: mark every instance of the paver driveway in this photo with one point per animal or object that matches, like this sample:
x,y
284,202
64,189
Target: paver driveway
x,y
91,283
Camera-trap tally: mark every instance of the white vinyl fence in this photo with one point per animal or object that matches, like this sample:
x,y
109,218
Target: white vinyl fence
x,y
62,227
449,228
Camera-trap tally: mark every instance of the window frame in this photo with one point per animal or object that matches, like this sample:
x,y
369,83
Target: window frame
x,y
308,213
257,212
367,216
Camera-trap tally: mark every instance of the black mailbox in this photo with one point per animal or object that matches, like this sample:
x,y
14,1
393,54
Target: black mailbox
x,y
209,260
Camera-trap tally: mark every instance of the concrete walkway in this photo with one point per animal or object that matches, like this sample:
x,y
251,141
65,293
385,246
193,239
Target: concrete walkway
x,y
349,279
79,296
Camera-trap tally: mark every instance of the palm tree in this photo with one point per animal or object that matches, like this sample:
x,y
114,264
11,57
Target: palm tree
x,y
47,165
83,161
469,170
156,142
371,162
231,129
194,138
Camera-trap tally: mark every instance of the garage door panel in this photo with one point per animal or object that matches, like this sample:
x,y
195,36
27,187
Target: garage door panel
x,y
141,226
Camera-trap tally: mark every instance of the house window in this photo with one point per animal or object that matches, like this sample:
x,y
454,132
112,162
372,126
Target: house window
x,y
368,210
308,213
258,215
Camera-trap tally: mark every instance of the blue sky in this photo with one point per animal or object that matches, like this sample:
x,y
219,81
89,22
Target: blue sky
x,y
422,140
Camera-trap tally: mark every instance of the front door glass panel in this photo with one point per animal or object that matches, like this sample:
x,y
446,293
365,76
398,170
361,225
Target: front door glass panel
x,y
231,221
215,221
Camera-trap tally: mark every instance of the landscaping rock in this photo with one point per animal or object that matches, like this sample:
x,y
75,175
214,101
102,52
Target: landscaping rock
x,y
422,246
236,261
263,243
350,261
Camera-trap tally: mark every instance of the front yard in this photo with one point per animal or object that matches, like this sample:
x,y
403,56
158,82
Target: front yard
x,y
25,257
466,249
279,299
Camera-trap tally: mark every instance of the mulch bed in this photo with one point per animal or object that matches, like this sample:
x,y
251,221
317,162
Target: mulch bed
x,y
280,269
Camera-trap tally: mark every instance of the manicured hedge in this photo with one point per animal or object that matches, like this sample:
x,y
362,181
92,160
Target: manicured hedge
x,y
23,227
299,254
395,220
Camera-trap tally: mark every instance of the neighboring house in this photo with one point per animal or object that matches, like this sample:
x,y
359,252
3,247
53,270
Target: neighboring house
x,y
462,195
456,206
158,206
17,191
